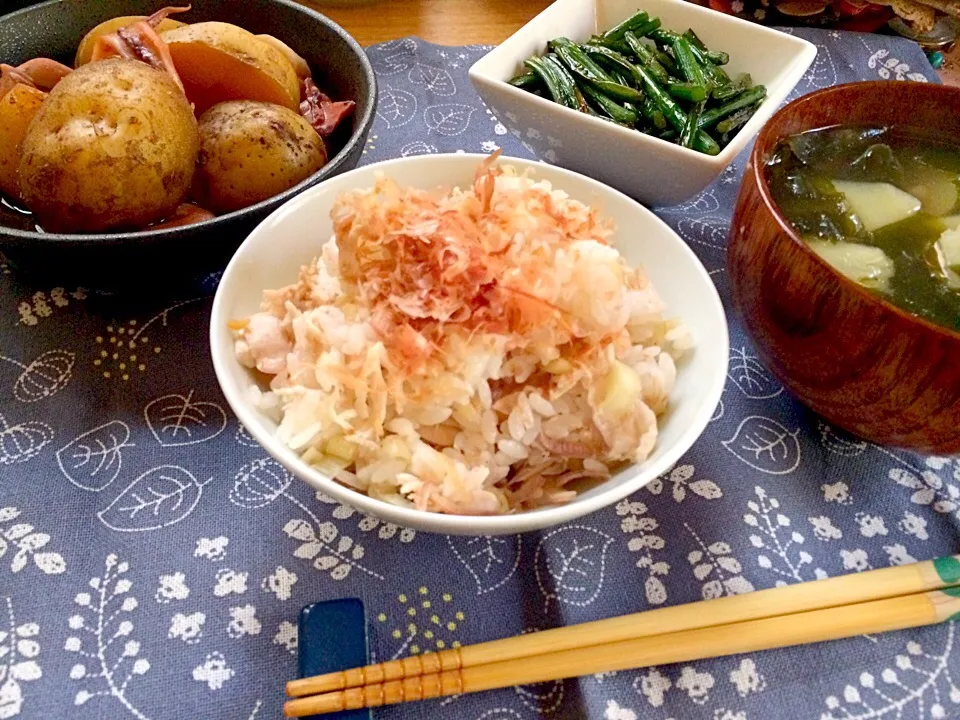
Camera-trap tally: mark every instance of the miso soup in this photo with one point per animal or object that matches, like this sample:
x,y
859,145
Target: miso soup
x,y
882,206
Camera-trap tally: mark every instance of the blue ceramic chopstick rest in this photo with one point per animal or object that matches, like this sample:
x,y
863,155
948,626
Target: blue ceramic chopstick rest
x,y
333,636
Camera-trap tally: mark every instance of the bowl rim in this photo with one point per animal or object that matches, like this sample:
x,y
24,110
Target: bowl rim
x,y
539,518
804,49
363,125
758,157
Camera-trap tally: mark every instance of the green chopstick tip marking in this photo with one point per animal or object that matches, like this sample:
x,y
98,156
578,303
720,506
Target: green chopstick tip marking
x,y
948,568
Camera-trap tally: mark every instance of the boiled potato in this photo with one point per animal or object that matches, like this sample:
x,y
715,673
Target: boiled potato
x,y
113,147
218,62
85,51
17,109
250,151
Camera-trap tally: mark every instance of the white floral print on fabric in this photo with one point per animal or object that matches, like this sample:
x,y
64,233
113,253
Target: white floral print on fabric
x,y
286,636
243,621
214,671
280,583
214,549
230,582
188,628
172,587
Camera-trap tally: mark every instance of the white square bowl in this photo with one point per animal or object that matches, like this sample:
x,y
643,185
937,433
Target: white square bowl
x,y
646,168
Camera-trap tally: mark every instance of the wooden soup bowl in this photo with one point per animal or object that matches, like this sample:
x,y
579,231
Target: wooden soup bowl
x,y
863,364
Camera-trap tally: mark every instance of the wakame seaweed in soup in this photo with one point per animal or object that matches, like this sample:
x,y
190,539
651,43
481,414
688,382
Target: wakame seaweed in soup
x,y
882,206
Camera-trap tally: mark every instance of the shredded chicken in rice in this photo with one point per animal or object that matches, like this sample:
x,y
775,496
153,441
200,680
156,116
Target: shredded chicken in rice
x,y
473,352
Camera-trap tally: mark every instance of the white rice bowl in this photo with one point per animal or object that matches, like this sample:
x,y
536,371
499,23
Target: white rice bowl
x,y
466,441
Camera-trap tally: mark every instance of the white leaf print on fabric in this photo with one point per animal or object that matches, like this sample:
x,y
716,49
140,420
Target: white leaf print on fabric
x,y
776,537
703,204
188,628
921,686
394,57
18,650
635,522
43,377
243,621
501,714
286,637
715,567
259,483
23,441
22,542
680,480
280,583
243,437
491,561
708,232
172,587
749,374
840,443
396,107
719,412
338,557
746,679
264,481
213,549
214,671
543,698
935,486
433,79
368,523
890,68
94,459
113,659
570,565
159,498
230,582
448,119
613,711
418,147
765,445
178,420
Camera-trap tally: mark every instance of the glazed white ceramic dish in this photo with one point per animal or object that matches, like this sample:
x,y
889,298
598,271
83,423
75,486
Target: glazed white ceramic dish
x,y
651,170
272,255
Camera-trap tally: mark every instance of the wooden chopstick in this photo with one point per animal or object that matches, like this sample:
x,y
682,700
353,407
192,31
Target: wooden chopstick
x,y
894,613
820,594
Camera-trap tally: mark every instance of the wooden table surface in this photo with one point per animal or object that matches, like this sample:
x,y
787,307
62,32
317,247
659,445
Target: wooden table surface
x,y
463,22
446,22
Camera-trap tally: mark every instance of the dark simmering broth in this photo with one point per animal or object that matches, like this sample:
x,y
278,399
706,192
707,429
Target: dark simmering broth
x,y
882,206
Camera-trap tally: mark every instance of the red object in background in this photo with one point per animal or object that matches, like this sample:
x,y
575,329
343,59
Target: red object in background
x,y
855,16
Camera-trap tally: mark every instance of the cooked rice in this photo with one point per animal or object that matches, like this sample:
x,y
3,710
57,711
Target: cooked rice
x,y
476,351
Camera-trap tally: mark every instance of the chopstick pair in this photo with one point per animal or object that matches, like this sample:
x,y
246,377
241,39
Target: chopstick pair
x,y
877,601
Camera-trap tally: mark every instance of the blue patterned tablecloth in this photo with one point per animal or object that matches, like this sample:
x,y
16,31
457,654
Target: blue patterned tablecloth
x,y
153,561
